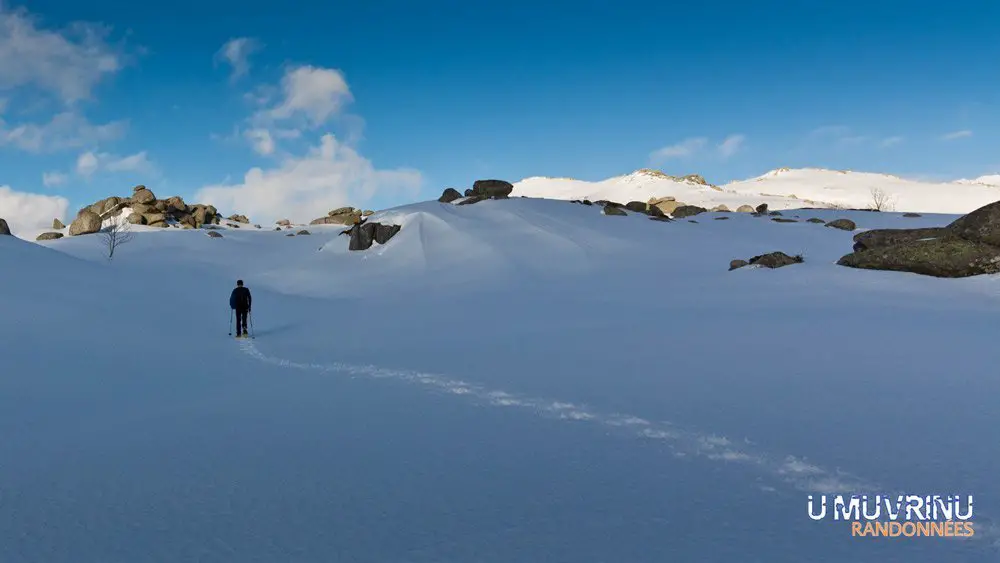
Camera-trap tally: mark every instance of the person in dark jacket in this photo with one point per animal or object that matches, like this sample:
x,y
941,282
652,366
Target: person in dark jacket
x,y
240,301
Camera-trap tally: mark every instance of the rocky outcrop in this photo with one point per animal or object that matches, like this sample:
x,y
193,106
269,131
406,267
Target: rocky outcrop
x,y
146,209
968,246
239,219
4,228
49,236
86,222
667,205
614,211
449,195
340,216
58,225
745,209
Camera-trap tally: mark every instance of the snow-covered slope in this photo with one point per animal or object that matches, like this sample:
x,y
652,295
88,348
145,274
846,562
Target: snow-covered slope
x,y
514,380
780,189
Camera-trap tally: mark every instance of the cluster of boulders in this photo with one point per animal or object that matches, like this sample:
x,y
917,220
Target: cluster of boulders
x,y
146,209
968,246
339,216
480,190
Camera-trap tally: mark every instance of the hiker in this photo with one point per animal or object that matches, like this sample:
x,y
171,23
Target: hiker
x,y
240,302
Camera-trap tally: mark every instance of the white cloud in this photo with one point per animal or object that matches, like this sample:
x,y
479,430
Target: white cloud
x,y
66,63
685,149
236,53
89,163
830,131
731,145
330,175
65,130
955,135
53,179
314,94
263,142
890,142
26,211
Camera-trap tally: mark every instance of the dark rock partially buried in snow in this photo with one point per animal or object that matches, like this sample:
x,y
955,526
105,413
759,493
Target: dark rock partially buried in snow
x,y
493,189
842,224
58,225
815,220
214,234
775,260
734,264
687,211
877,238
49,236
470,200
4,228
982,225
450,195
637,206
364,234
612,210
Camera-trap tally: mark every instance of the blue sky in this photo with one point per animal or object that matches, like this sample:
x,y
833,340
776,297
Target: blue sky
x,y
378,103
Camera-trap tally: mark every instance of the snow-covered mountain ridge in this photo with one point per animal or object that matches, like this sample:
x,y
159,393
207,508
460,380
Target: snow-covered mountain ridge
x,y
782,188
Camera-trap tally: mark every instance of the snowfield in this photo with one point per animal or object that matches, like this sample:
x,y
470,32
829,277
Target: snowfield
x,y
780,189
514,380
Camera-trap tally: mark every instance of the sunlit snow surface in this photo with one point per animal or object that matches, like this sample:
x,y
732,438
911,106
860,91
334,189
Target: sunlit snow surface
x,y
518,380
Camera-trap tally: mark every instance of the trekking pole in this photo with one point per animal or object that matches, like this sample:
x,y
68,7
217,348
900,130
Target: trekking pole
x,y
230,322
253,333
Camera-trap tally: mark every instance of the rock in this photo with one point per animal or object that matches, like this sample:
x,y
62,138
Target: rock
x,y
688,211
606,203
49,236
494,189
214,234
695,178
471,200
745,209
775,213
340,216
636,206
912,215
277,228
783,220
176,204
367,213
950,257
57,224
142,208
469,192
612,210
842,224
449,195
659,200
815,220
343,211
667,206
761,209
160,206
136,218
239,219
142,195
723,218
4,228
878,238
385,232
290,234
982,225
775,260
663,219
283,222
722,208
654,211
86,222
737,264
155,218
303,232
587,202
